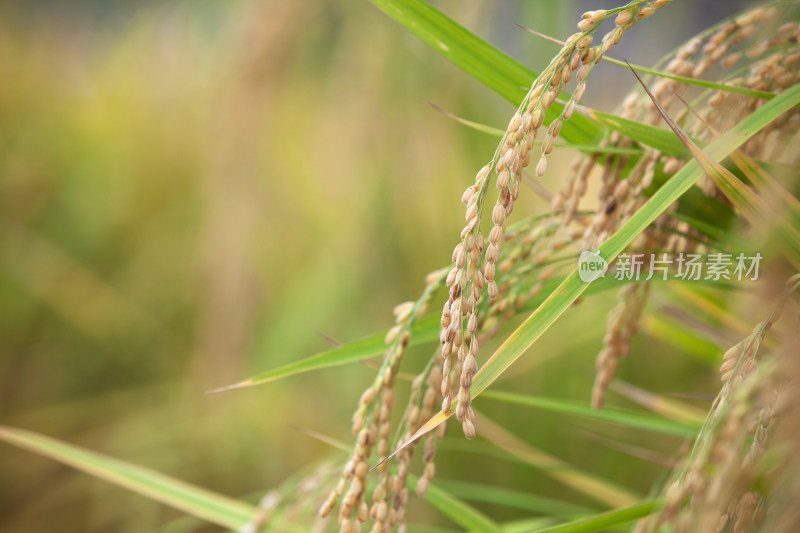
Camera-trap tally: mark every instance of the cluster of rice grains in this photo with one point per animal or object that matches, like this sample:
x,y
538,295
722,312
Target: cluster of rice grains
x,y
514,263
729,481
468,277
736,51
372,428
468,320
720,485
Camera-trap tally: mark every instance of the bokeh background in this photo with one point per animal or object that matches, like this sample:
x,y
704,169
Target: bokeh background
x,y
193,192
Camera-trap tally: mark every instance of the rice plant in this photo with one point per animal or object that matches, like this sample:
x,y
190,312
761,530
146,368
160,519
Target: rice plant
x,y
683,202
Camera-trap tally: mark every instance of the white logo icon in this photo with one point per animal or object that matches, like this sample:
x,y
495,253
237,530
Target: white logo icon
x,y
591,266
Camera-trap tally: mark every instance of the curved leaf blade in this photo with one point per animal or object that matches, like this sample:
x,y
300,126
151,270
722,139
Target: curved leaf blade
x,y
660,139
706,84
516,499
424,330
502,74
202,503
464,515
611,415
596,488
604,521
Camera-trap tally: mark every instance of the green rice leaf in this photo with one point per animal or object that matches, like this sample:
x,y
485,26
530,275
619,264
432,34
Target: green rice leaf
x,y
426,329
524,526
504,75
614,416
604,521
525,501
201,503
687,341
497,132
464,515
733,89
598,489
670,408
661,139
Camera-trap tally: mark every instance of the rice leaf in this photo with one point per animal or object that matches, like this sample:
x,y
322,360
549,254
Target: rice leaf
x,y
654,137
459,512
703,302
686,340
527,524
667,407
598,489
516,499
733,89
497,132
604,521
425,330
762,179
737,192
504,75
614,416
201,503
477,126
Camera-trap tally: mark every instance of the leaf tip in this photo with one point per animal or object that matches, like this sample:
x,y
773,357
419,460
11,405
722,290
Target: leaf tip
x,y
241,384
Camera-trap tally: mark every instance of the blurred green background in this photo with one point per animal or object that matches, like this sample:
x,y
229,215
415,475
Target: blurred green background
x,y
194,192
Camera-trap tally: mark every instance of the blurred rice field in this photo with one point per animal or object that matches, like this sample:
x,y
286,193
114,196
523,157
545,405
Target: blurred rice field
x,y
194,192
